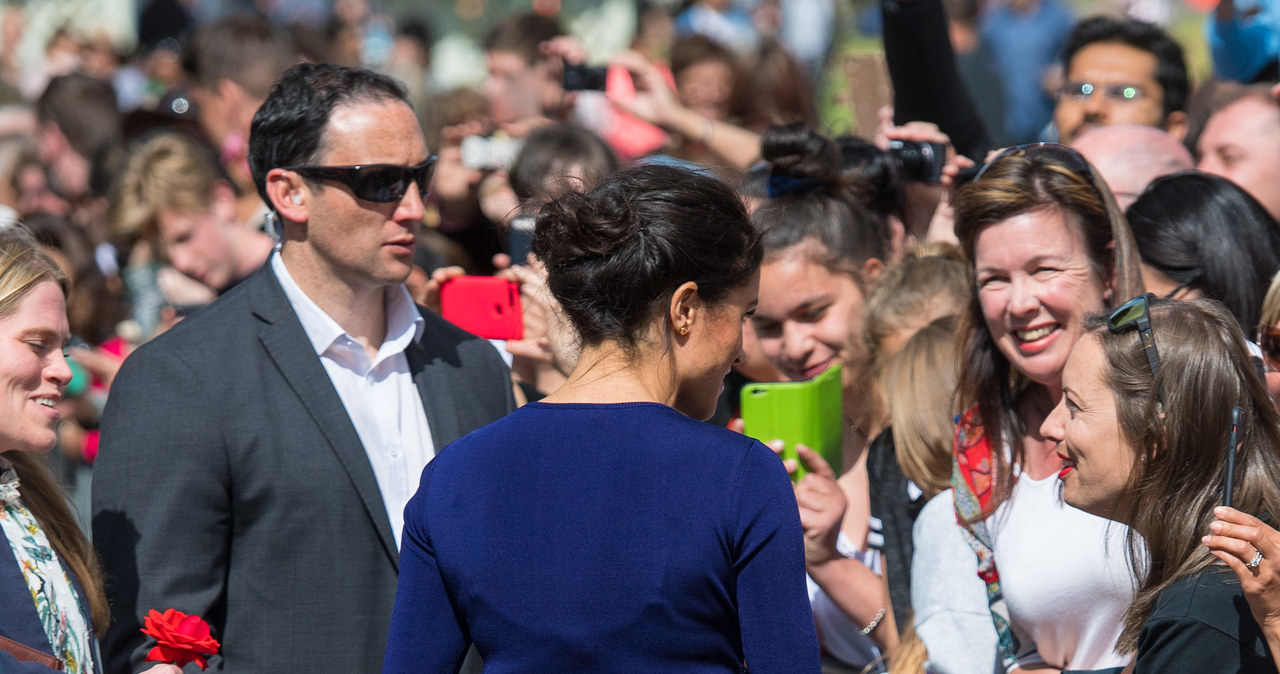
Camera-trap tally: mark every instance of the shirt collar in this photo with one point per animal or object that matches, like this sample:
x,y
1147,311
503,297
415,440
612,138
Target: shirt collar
x,y
404,323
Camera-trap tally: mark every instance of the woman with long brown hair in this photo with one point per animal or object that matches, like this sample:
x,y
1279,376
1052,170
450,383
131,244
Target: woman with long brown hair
x,y
51,598
1048,246
1164,418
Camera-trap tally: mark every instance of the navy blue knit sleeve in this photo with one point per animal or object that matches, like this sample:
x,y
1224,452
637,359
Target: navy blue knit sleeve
x,y
778,633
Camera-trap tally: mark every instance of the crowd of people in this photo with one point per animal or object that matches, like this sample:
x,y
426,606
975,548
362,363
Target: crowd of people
x,y
1050,284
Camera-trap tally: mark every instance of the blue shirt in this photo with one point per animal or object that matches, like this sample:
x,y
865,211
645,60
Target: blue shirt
x,y
1022,46
603,537
1243,47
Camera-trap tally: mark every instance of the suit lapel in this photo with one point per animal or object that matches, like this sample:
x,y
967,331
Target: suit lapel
x,y
287,345
442,413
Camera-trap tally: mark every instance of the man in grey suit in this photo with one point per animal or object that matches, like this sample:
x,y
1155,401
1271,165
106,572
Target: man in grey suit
x,y
256,459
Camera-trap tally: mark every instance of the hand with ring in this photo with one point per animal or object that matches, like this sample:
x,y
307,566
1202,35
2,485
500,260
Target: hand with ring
x,y
1251,549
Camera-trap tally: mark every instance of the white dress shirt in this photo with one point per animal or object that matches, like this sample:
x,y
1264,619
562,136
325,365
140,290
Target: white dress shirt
x,y
380,396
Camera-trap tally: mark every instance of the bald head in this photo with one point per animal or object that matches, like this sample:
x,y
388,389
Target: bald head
x,y
1130,156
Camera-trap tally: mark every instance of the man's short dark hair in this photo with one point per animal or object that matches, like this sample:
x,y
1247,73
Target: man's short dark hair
x,y
244,48
287,130
521,34
1171,68
86,111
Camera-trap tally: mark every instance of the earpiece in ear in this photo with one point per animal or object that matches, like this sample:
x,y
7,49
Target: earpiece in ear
x,y
297,199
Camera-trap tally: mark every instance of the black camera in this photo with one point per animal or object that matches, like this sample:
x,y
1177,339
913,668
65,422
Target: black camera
x,y
921,162
584,78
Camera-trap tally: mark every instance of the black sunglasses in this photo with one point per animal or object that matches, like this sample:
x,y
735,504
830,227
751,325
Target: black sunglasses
x,y
1061,153
375,182
1136,313
1180,287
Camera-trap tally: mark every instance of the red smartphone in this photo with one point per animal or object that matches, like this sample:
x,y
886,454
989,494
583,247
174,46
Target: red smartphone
x,y
485,306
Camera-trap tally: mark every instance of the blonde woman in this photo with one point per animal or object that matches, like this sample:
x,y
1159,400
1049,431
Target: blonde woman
x,y
51,600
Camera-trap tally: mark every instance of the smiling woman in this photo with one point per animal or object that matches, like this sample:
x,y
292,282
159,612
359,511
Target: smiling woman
x,y
1142,449
822,253
1048,247
51,598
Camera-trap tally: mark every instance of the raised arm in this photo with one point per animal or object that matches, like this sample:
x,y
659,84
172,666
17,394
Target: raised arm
x,y
655,102
926,83
854,588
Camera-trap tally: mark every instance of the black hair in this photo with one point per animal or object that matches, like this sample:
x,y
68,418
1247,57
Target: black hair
x,y
244,48
86,110
881,173
616,254
812,200
1203,230
539,172
417,29
522,34
289,127
1171,67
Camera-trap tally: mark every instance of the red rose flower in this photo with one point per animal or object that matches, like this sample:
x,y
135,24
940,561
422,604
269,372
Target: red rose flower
x,y
180,638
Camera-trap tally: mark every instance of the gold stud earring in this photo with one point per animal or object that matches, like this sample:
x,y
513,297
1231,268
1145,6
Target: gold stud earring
x,y
684,331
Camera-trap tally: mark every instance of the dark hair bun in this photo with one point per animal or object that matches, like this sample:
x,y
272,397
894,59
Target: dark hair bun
x,y
616,252
581,227
797,151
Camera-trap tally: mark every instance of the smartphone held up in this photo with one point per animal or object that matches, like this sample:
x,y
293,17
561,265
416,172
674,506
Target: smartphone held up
x,y
809,413
485,306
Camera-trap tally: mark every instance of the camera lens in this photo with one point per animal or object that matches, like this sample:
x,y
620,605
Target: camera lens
x,y
920,161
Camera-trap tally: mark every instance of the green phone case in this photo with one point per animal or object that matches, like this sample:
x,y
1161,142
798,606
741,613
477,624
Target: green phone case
x,y
809,413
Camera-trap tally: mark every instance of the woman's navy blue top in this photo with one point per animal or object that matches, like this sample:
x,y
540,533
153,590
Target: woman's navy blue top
x,y
603,537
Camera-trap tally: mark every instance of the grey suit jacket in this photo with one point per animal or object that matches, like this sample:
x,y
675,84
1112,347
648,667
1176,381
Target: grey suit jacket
x,y
231,484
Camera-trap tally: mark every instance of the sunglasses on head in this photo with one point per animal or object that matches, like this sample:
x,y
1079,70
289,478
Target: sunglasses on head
x,y
1136,313
1181,286
1074,161
375,182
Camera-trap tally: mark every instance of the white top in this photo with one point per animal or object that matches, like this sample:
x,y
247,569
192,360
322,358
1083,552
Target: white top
x,y
948,599
841,637
380,396
1064,577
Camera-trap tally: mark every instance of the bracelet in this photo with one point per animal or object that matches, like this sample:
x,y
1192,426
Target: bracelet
x,y
874,623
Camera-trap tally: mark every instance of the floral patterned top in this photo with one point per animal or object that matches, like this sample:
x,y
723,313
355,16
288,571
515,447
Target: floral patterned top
x,y
56,600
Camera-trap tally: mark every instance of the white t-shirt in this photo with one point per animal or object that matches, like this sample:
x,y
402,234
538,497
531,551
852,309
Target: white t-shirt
x,y
1064,577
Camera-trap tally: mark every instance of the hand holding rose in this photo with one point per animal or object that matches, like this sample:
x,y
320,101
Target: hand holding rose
x,y
180,638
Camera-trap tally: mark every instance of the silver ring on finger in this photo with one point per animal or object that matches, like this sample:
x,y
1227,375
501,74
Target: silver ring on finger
x,y
1257,559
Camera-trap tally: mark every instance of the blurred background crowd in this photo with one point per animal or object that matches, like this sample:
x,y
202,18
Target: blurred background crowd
x,y
124,132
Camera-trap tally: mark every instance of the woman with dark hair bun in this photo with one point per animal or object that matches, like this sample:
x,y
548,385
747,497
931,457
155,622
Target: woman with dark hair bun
x,y
823,251
1200,235
607,528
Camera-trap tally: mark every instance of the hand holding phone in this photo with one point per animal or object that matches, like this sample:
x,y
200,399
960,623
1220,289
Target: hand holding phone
x,y
486,306
809,413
